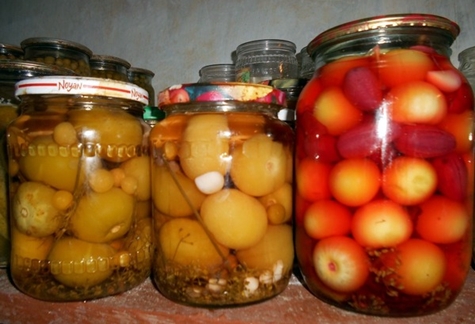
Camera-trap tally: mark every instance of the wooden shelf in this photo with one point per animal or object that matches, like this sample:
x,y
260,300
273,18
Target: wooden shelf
x,y
145,304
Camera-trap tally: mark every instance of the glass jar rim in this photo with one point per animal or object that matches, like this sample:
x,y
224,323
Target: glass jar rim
x,y
218,92
379,24
266,45
81,86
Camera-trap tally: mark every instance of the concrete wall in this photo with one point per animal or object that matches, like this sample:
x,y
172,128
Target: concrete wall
x,y
176,38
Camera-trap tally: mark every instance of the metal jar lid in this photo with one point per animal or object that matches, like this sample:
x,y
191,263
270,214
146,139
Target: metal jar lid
x,y
219,93
81,86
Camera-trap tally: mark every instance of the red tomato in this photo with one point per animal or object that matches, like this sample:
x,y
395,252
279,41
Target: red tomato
x,y
381,223
419,266
442,220
335,112
341,263
402,66
327,218
416,102
409,181
312,179
354,182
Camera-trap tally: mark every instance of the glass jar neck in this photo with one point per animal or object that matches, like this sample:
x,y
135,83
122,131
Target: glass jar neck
x,y
365,42
51,104
223,107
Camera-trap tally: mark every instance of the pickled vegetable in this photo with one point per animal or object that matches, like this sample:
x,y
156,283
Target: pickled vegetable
x,y
384,205
81,201
222,198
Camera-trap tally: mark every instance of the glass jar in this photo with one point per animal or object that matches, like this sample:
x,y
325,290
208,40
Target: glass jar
x,y
63,53
260,61
217,73
384,160
292,89
109,67
222,194
80,216
467,64
306,64
12,71
143,78
10,52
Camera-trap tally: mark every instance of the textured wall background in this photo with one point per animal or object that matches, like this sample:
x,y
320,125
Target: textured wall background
x,y
176,38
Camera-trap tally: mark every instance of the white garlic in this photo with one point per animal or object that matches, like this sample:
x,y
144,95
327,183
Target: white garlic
x,y
278,270
210,182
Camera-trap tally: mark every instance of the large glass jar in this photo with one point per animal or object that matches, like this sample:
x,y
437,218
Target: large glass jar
x,y
222,194
12,71
79,188
384,167
59,52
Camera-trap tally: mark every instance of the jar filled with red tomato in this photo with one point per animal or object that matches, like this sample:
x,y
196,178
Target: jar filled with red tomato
x,y
222,194
384,167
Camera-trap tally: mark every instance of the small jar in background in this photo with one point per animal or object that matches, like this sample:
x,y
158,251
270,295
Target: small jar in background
x,y
12,71
222,194
306,64
109,67
63,53
260,61
80,203
292,89
143,78
467,64
217,73
10,52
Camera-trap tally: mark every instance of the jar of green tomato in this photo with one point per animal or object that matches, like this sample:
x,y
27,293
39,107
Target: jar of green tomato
x,y
79,188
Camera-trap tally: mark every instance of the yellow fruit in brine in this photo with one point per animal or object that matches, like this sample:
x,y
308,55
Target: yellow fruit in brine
x,y
259,166
102,217
167,196
76,263
139,168
113,129
275,246
205,145
184,241
49,163
34,210
25,247
236,220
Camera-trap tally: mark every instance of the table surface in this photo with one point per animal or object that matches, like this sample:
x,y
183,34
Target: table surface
x,y
144,304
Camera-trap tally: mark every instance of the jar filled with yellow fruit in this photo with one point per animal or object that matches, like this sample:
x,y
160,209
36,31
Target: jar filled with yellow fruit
x,y
12,71
80,197
222,194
